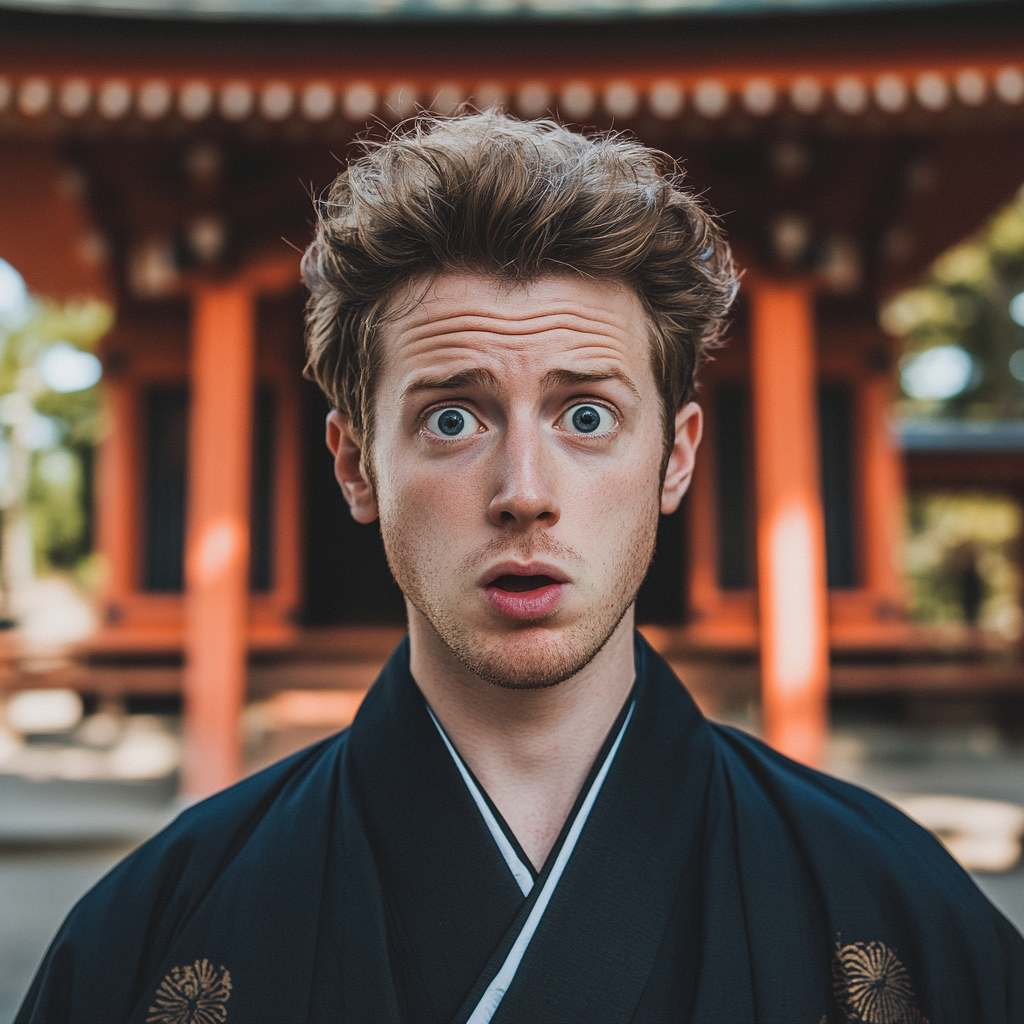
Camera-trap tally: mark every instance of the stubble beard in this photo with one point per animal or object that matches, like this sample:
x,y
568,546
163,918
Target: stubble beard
x,y
520,659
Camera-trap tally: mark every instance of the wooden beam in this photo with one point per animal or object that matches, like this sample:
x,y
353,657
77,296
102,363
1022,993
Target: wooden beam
x,y
217,544
792,589
46,226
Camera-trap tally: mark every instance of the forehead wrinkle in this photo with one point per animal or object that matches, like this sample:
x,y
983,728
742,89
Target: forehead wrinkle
x,y
467,364
477,347
482,322
442,376
444,336
437,303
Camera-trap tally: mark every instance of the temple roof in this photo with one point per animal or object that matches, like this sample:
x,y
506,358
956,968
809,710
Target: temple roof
x,y
322,10
945,436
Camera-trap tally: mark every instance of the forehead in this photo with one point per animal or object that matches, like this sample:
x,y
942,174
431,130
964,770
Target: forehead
x,y
459,322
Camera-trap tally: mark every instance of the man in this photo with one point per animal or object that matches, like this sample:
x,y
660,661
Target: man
x,y
529,820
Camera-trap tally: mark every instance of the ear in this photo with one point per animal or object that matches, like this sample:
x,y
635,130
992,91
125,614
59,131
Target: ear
x,y
349,469
689,427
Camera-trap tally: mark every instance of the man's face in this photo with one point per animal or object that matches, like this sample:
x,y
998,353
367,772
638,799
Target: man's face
x,y
517,451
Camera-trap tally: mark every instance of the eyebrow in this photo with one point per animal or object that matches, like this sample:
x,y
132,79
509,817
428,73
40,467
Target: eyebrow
x,y
475,378
578,378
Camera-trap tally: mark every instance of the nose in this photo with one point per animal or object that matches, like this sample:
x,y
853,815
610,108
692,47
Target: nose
x,y
524,494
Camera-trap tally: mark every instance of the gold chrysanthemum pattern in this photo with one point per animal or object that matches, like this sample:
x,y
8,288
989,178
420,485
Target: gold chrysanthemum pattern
x,y
193,994
872,986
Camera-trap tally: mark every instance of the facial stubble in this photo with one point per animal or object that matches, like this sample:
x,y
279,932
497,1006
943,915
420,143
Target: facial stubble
x,y
499,658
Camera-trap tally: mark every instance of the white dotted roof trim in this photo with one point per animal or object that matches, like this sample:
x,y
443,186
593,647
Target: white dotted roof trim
x,y
196,99
323,10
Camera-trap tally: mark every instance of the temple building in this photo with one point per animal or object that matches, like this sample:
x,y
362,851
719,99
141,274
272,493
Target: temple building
x,y
162,155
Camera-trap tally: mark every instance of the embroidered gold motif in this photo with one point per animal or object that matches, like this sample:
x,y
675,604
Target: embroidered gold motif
x,y
193,994
872,986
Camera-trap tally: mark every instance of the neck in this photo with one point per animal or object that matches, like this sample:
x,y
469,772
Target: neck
x,y
531,750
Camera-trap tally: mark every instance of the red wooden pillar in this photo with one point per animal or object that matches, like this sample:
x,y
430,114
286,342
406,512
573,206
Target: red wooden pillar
x,y
217,543
117,504
884,498
792,587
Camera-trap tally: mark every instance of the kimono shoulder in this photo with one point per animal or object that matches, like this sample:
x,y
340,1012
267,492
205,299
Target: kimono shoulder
x,y
104,955
882,885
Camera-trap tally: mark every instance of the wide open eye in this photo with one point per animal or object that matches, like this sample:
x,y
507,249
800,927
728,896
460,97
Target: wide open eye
x,y
588,418
452,422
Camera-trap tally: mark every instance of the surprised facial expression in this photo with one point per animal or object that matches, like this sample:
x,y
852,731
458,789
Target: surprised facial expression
x,y
517,449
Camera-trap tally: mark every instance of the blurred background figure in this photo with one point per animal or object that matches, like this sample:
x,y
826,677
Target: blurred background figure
x,y
183,596
969,582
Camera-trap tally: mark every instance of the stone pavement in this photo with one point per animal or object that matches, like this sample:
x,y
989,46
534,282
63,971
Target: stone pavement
x,y
38,886
970,762
58,838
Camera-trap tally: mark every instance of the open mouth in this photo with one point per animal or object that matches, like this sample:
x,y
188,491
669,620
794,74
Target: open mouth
x,y
522,584
516,593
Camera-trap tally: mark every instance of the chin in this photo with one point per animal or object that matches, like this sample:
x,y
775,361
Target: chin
x,y
532,658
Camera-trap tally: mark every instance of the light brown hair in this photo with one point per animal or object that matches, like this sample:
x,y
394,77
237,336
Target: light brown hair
x,y
517,201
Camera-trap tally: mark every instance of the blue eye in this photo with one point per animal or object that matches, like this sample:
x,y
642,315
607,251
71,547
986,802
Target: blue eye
x,y
452,422
589,419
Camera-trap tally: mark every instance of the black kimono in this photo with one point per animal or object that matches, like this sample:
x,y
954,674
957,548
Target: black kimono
x,y
700,878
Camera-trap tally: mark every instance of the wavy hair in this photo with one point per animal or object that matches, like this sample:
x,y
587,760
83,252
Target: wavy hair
x,y
517,201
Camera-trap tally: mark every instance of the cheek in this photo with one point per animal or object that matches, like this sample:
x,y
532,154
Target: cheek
x,y
423,503
612,505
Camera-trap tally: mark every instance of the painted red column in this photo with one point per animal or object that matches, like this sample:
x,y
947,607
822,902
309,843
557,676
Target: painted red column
x,y
792,586
884,498
116,494
217,542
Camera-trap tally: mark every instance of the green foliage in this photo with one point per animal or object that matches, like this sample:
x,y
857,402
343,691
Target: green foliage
x,y
964,300
961,552
56,503
58,493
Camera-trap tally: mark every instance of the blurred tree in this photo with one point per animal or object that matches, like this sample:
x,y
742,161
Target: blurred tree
x,y
964,349
49,427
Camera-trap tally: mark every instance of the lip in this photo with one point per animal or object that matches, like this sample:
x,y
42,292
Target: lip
x,y
523,569
524,605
